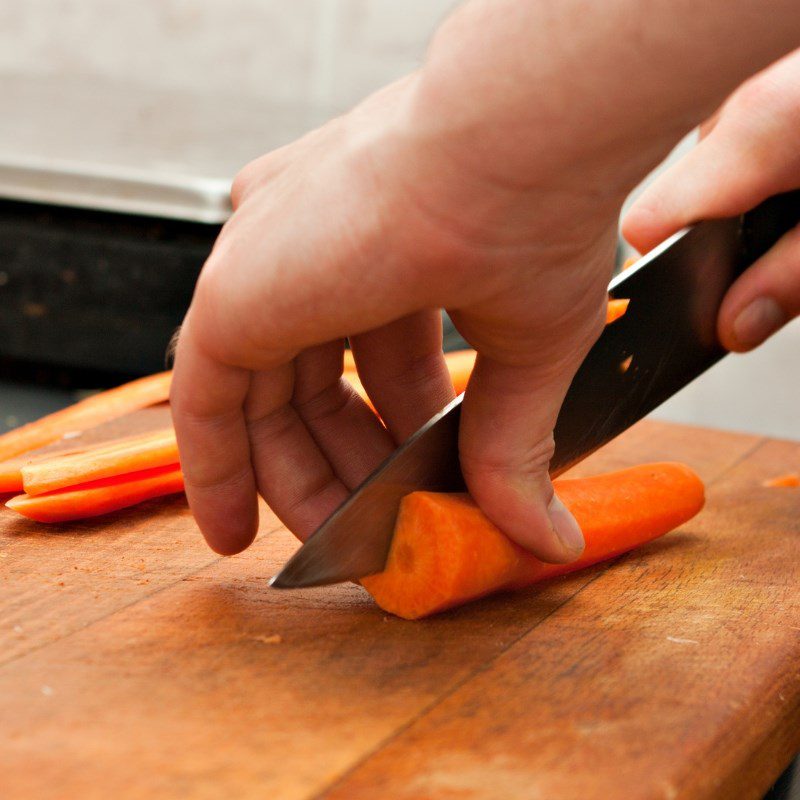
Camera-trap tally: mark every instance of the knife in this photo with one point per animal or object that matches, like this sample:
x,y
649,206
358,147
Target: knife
x,y
665,340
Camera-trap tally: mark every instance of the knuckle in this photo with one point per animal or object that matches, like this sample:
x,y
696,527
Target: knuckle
x,y
502,463
243,182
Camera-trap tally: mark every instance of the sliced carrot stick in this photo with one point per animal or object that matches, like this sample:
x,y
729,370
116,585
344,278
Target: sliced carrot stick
x,y
120,457
349,361
787,481
445,552
460,363
629,262
11,475
616,309
99,497
11,470
87,413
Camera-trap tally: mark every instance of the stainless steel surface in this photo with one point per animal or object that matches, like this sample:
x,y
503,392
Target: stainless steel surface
x,y
666,339
117,147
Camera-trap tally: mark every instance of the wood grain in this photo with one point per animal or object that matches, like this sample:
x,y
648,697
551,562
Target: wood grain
x,y
205,683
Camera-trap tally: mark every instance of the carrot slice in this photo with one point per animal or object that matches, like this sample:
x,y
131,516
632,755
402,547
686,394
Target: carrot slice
x,y
11,470
629,262
787,481
87,413
11,475
131,454
445,552
99,497
616,309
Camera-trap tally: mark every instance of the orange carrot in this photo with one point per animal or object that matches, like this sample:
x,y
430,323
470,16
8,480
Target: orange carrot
x,y
87,413
616,309
460,363
11,475
787,481
99,497
445,552
629,262
119,457
11,470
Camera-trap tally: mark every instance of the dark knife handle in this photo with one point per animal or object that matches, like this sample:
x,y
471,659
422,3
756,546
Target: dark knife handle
x,y
668,337
764,225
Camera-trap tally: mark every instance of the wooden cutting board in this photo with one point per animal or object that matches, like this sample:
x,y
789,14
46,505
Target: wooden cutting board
x,y
134,663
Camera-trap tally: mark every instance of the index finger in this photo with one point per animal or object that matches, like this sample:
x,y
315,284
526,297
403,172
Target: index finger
x,y
207,403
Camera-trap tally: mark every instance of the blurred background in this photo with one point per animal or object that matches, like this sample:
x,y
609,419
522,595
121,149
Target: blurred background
x,y
123,124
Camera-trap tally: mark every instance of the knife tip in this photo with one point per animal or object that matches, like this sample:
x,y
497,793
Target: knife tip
x,y
279,582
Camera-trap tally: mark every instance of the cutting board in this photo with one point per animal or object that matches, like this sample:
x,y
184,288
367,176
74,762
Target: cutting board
x,y
135,663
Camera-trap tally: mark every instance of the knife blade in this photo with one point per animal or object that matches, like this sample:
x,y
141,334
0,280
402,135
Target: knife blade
x,y
665,340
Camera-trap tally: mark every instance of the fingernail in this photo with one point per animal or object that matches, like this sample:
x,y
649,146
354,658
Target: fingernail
x,y
757,322
565,526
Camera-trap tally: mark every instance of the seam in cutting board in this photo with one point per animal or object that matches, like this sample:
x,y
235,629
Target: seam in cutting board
x,y
362,760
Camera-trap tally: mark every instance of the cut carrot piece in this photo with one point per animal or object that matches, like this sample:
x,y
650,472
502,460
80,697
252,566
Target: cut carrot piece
x,y
629,262
99,497
460,364
87,413
352,378
11,470
445,552
11,475
132,454
349,361
789,480
616,309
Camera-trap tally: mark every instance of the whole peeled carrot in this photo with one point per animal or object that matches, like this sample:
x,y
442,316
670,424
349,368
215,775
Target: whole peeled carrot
x,y
118,457
87,413
99,497
445,552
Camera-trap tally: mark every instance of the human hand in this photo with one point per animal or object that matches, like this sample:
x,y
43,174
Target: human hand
x,y
363,230
749,150
489,184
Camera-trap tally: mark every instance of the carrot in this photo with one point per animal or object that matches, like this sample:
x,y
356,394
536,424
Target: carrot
x,y
120,457
87,413
11,470
445,552
787,481
99,497
616,309
11,475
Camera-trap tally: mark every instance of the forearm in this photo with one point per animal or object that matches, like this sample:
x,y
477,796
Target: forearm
x,y
618,80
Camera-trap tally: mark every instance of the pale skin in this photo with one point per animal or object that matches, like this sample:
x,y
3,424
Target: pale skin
x,y
488,183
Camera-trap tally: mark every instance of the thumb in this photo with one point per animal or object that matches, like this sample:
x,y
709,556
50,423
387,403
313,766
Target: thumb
x,y
506,442
764,298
